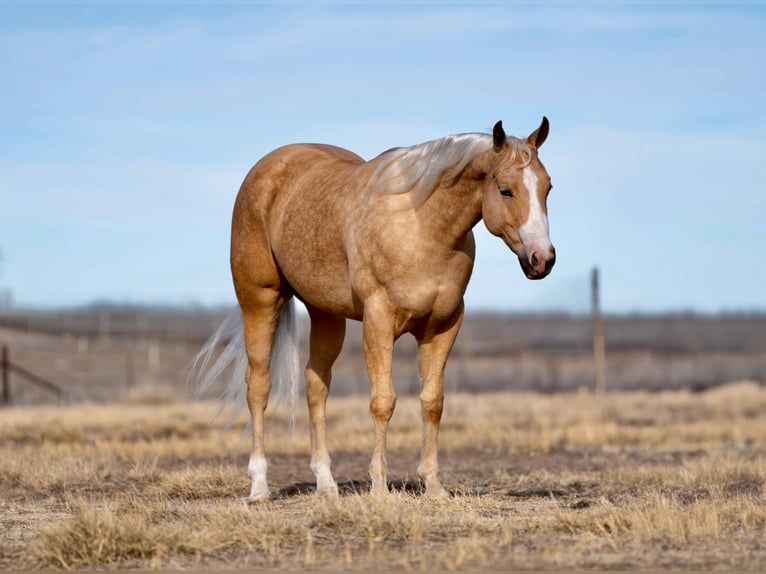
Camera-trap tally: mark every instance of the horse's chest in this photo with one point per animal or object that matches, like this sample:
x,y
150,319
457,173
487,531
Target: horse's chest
x,y
427,287
420,274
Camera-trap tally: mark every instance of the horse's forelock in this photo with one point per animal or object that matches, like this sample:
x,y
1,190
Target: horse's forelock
x,y
518,150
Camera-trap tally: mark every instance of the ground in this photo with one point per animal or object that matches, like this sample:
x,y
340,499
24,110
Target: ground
x,y
572,480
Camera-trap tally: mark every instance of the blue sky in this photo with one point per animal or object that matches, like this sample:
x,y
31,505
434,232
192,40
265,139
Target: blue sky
x,y
126,130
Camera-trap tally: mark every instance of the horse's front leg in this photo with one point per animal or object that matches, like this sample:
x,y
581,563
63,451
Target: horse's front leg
x,y
434,346
378,338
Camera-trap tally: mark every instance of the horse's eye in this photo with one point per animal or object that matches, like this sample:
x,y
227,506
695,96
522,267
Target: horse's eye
x,y
505,191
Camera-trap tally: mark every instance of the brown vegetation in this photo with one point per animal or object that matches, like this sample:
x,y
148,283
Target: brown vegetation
x,y
629,480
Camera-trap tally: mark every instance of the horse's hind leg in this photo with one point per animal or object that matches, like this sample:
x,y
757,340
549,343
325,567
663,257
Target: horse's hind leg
x,y
259,318
327,332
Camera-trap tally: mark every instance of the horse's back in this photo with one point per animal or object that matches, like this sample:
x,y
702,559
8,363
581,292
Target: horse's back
x,y
283,167
301,153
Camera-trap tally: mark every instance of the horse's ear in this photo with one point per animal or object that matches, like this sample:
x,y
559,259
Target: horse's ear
x,y
498,136
538,137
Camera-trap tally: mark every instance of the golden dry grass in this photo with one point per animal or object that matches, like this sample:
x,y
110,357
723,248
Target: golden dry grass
x,y
629,480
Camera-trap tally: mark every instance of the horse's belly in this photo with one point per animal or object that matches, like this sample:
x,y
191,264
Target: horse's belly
x,y
335,299
321,281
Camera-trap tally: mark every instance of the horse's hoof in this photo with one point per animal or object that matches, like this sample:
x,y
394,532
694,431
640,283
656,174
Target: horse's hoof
x,y
437,493
380,492
328,492
258,499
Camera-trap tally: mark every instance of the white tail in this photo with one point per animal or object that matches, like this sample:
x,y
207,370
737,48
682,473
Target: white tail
x,y
284,369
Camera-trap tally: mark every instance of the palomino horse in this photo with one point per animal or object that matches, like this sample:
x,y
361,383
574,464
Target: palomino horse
x,y
387,242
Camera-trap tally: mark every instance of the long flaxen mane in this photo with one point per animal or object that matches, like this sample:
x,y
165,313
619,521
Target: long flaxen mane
x,y
418,169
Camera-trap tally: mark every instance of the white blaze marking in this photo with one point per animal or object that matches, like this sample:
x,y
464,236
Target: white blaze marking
x,y
534,231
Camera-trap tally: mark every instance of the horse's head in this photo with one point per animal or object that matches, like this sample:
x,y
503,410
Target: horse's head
x,y
514,199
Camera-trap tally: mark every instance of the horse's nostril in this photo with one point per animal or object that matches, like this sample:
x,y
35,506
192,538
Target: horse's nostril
x,y
549,263
534,261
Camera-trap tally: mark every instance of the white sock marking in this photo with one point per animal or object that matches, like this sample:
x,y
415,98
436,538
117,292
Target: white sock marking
x,y
324,477
257,468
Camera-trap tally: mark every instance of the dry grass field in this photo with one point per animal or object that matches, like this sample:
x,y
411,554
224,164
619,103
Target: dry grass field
x,y
630,480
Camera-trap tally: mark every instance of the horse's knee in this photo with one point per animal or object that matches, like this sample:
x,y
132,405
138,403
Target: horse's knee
x,y
382,406
432,408
432,403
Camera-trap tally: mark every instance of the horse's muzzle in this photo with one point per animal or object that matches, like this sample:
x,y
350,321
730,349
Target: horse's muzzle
x,y
538,263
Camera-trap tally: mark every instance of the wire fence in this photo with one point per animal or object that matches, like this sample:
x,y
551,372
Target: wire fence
x,y
8,367
103,352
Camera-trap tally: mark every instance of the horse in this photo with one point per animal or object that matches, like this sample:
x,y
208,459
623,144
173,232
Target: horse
x,y
387,242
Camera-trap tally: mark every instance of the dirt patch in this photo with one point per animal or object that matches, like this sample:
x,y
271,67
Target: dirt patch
x,y
21,523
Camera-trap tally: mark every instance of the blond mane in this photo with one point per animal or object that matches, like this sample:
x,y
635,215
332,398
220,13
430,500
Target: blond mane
x,y
419,169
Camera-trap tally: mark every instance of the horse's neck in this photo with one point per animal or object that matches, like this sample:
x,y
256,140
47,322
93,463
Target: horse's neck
x,y
454,208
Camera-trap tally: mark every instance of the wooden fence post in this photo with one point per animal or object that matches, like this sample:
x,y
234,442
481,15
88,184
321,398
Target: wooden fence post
x,y
5,367
599,350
